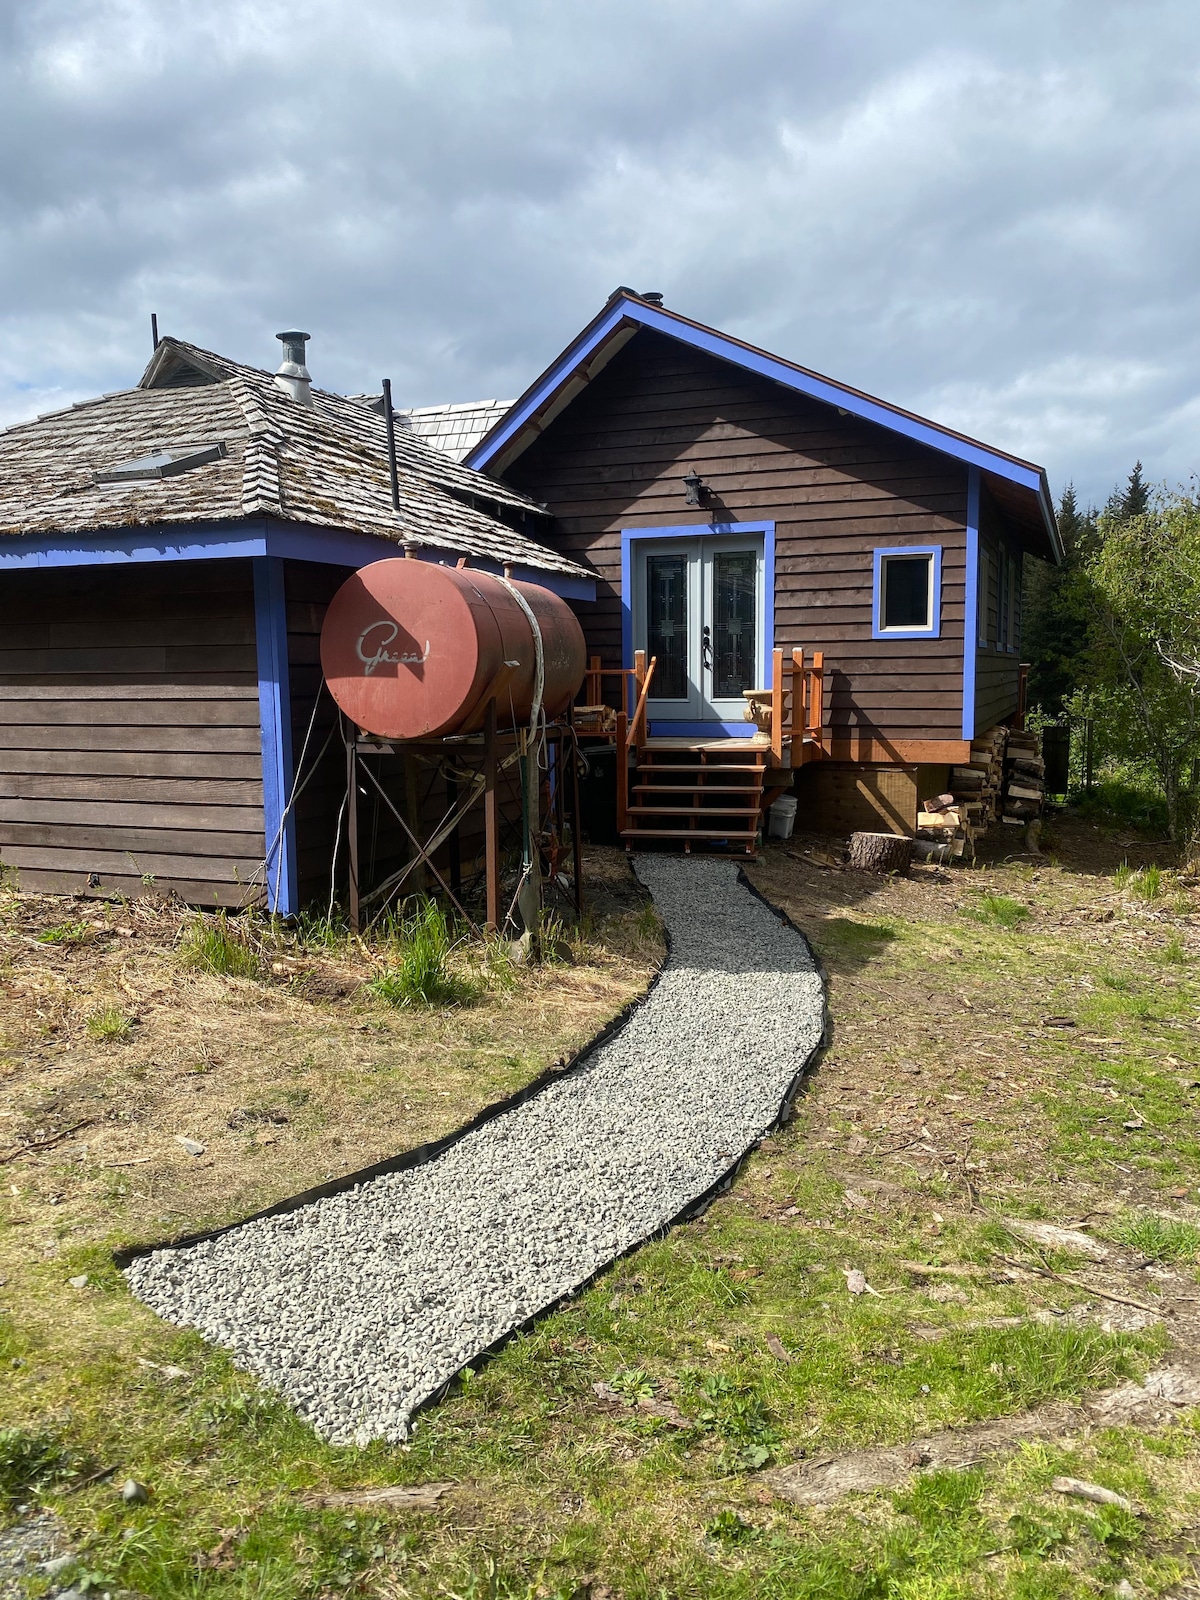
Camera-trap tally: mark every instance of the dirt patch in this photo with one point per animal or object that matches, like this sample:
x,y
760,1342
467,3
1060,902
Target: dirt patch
x,y
1166,1393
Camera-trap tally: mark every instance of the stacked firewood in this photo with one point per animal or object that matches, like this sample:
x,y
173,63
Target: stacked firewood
x,y
1024,780
945,830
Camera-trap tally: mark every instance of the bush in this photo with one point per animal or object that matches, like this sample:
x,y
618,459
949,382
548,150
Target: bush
x,y
422,975
213,944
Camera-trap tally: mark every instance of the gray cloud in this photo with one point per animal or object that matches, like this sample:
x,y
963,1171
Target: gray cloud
x,y
984,213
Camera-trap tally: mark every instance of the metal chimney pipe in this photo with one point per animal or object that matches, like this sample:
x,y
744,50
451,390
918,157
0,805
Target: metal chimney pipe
x,y
292,376
390,419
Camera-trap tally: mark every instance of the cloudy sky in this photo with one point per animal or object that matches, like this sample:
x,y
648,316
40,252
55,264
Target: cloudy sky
x,y
984,210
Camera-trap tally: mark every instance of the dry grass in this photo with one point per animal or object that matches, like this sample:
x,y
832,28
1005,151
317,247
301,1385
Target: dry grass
x,y
286,1082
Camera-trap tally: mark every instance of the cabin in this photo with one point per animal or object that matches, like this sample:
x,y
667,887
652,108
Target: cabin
x,y
166,557
807,588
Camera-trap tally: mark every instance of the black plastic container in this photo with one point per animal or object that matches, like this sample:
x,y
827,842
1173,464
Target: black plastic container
x,y
598,794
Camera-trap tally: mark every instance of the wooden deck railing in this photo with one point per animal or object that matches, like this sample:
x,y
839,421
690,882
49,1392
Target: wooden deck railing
x,y
797,708
643,674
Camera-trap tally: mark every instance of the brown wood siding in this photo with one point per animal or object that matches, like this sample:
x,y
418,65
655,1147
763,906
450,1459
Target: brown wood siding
x,y
836,488
129,731
997,670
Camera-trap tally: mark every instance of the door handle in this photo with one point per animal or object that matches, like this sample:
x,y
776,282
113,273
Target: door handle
x,y
706,647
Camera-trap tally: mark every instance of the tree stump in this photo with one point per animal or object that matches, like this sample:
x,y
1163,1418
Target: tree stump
x,y
880,852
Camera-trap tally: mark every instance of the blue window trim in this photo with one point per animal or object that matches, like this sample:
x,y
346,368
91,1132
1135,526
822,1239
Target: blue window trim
x,y
934,631
275,721
971,641
699,530
252,538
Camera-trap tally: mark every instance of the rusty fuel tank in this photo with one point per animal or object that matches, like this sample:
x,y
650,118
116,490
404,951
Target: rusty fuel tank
x,y
413,650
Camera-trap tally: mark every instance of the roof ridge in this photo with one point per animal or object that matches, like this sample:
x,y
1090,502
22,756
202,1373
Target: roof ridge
x,y
262,485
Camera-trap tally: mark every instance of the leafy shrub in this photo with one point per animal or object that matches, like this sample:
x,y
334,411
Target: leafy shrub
x,y
422,976
213,944
110,1024
999,910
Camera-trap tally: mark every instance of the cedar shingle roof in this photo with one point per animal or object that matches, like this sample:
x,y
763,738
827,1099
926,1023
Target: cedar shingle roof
x,y
325,466
457,429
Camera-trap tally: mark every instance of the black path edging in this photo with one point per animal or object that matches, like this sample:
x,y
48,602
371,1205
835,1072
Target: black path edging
x,y
701,1203
422,1154
419,1155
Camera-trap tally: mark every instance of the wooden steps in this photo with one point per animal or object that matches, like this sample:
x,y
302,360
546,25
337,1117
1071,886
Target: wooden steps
x,y
703,795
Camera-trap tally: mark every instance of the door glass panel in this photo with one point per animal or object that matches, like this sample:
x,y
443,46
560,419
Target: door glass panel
x,y
666,625
735,586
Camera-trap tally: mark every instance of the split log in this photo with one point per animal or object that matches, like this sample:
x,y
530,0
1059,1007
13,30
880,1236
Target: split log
x,y
880,852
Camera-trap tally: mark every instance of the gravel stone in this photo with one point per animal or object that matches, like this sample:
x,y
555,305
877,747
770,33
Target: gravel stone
x,y
361,1306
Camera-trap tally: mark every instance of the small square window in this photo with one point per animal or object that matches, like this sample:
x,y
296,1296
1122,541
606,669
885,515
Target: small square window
x,y
906,599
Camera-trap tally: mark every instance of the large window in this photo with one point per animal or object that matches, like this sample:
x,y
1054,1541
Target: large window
x,y
907,597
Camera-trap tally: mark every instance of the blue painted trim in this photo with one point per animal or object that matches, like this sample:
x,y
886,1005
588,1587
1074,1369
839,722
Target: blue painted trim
x,y
275,719
971,606
701,730
252,538
934,631
800,379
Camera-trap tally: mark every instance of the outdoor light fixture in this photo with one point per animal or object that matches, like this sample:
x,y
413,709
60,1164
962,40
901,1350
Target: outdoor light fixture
x,y
695,488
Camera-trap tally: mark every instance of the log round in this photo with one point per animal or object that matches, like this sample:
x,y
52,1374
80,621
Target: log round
x,y
880,852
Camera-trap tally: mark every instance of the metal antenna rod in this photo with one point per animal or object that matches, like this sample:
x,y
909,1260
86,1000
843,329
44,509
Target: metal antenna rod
x,y
391,439
154,328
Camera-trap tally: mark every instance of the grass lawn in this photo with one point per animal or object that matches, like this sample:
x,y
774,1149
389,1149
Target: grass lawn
x,y
1015,1041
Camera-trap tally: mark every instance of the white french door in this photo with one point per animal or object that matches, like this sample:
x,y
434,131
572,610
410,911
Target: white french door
x,y
698,606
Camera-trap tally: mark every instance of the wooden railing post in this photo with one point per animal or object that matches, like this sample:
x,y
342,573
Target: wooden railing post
x,y
777,704
799,707
594,691
622,772
816,701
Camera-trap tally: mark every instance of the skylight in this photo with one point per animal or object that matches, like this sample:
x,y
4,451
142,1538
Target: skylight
x,y
162,463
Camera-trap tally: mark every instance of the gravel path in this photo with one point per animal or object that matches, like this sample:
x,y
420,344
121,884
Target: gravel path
x,y
361,1306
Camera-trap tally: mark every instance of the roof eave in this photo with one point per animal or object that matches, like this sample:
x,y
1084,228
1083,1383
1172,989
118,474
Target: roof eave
x,y
566,377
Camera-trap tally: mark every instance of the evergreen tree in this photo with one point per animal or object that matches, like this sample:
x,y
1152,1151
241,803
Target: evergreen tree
x,y
1131,501
1056,628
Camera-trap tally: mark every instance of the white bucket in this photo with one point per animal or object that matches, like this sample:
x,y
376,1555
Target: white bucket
x,y
783,817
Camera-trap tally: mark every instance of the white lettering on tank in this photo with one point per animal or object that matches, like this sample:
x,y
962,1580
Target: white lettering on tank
x,y
381,655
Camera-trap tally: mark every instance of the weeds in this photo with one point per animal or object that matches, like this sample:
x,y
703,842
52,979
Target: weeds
x,y
29,1461
1173,952
1168,1239
213,944
1147,883
423,975
110,1025
67,933
998,910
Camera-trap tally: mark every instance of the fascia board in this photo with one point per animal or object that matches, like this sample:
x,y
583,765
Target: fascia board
x,y
543,396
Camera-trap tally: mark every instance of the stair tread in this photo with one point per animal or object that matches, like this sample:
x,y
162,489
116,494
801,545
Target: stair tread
x,y
689,833
692,811
696,788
